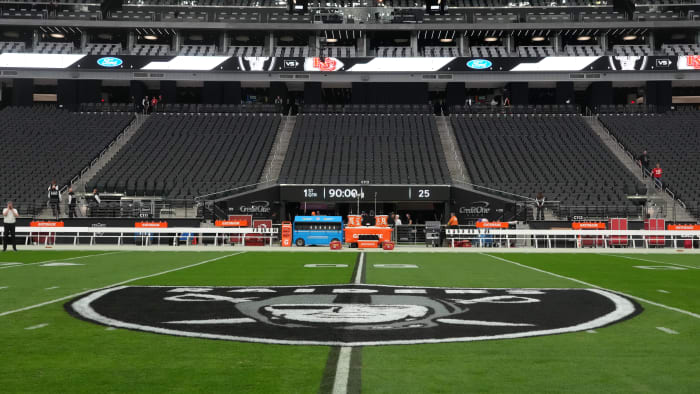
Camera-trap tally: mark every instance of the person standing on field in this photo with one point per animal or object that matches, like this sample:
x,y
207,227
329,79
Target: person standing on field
x,y
9,216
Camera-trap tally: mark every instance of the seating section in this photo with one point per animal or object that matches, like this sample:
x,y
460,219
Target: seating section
x,y
367,109
282,51
184,156
150,50
338,52
12,47
557,155
535,51
381,149
632,50
103,49
245,51
198,50
489,51
54,47
48,143
583,50
483,108
440,51
671,139
395,52
680,49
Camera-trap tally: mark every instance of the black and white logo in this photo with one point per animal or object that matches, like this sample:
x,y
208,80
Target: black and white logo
x,y
663,63
256,207
352,315
293,64
477,208
628,63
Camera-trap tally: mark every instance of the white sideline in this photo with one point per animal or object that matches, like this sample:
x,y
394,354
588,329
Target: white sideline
x,y
26,308
49,261
342,369
667,330
671,308
650,261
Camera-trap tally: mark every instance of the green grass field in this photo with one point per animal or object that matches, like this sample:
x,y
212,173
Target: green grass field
x,y
45,349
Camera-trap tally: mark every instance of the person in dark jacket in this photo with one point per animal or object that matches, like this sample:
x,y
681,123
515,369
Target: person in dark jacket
x,y
539,205
72,203
54,196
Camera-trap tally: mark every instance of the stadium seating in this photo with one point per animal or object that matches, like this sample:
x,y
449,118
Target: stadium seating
x,y
198,50
253,51
395,52
284,51
680,49
557,155
441,51
673,140
103,49
338,52
489,51
583,50
150,50
183,156
632,50
381,149
54,47
12,47
48,144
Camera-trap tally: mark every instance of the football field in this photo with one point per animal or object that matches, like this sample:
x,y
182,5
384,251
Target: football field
x,y
348,322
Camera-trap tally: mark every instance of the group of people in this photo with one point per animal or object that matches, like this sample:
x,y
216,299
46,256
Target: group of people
x,y
54,195
656,172
150,104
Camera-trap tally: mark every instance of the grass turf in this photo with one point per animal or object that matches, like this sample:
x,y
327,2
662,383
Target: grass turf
x,y
70,355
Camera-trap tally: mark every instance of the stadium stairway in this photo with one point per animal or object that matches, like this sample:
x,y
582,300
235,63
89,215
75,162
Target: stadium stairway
x,y
673,210
455,164
105,156
273,166
111,151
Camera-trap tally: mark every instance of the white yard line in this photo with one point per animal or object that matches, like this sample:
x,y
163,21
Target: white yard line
x,y
49,261
651,261
42,325
667,330
26,308
663,291
3,287
671,308
360,267
342,369
51,288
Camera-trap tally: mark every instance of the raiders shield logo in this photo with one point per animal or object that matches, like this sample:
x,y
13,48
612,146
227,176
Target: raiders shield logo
x,y
352,315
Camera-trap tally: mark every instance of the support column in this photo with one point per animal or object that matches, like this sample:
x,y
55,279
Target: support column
x,y
130,41
176,41
603,41
510,43
463,45
223,42
269,49
22,92
361,49
414,43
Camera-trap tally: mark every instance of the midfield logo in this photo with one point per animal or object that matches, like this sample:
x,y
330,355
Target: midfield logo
x,y
352,315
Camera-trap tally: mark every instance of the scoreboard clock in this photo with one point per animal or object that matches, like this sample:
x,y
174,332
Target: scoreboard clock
x,y
366,193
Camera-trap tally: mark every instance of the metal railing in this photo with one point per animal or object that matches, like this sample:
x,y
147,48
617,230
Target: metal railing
x,y
143,208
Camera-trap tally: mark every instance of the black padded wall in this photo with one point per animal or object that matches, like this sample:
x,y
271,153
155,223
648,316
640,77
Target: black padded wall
x,y
518,93
169,91
89,91
360,93
23,92
565,91
599,93
312,93
232,92
455,93
67,92
658,93
212,92
389,93
137,90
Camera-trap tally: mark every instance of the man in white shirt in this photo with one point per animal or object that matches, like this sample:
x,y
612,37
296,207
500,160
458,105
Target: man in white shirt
x,y
397,220
9,216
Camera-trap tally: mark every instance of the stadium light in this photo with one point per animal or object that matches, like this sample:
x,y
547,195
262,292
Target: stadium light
x,y
629,38
537,39
445,39
331,39
57,35
150,37
583,38
490,39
